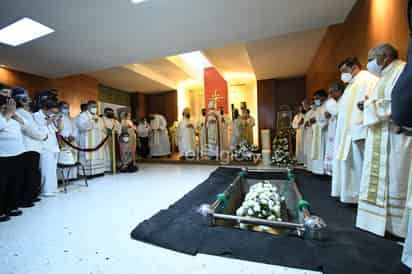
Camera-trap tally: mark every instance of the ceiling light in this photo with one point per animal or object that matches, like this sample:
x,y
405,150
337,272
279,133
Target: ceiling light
x,y
196,59
137,1
23,31
2,66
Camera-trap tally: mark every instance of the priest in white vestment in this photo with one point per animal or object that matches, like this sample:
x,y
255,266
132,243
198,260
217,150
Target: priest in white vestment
x,y
251,122
201,131
224,130
350,131
213,132
388,153
92,133
68,130
297,124
186,136
236,130
307,134
113,128
331,114
319,125
159,142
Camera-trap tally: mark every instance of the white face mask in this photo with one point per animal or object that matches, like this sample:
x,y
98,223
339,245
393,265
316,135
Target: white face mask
x,y
346,77
374,68
65,111
93,110
318,102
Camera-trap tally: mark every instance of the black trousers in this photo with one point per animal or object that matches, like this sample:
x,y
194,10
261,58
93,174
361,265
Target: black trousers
x,y
144,147
31,184
11,178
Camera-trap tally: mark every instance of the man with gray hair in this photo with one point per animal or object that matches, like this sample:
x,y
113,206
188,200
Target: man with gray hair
x,y
388,152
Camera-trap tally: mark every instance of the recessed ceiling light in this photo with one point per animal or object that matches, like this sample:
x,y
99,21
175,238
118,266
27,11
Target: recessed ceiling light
x,y
23,31
2,66
137,1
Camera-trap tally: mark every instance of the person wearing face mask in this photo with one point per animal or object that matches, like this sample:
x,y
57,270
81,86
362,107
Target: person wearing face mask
x,y
332,105
48,120
186,136
350,131
68,130
32,139
92,133
388,153
307,133
297,124
201,131
319,125
114,129
127,142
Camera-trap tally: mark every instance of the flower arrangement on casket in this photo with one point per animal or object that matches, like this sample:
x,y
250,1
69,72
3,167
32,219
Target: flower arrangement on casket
x,y
245,151
262,201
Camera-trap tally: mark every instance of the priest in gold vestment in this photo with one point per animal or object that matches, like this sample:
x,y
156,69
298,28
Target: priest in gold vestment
x,y
388,153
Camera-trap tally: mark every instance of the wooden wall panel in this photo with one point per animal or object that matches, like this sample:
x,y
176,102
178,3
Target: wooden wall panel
x,y
273,93
164,103
76,90
369,23
30,82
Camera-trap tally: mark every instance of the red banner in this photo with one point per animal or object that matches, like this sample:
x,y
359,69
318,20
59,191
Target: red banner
x,y
215,89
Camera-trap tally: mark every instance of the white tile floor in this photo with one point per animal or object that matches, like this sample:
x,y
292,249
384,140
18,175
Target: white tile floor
x,y
87,230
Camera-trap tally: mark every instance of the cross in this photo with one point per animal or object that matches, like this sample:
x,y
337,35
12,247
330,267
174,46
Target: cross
x,y
216,97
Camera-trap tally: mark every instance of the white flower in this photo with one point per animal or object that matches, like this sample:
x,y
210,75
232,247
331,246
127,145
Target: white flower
x,y
250,212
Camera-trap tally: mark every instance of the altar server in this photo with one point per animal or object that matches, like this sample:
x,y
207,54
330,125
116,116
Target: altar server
x,y
68,130
143,131
32,139
388,152
113,129
297,124
48,119
319,125
332,105
92,133
159,138
11,151
350,131
186,136
201,130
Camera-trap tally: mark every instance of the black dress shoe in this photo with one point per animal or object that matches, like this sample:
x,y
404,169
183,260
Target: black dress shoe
x,y
36,200
27,205
4,218
15,213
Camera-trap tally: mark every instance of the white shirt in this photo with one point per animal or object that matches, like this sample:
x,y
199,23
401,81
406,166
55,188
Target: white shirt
x,y
143,130
50,144
32,134
11,138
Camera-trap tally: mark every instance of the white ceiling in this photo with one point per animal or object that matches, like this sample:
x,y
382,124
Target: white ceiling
x,y
98,34
286,55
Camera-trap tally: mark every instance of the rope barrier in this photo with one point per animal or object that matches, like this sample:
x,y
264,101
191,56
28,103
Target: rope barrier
x,y
67,142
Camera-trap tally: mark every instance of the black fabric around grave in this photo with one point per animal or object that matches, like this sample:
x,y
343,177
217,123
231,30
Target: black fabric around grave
x,y
346,249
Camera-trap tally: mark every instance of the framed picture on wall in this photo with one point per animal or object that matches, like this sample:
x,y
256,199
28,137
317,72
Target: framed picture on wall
x,y
284,117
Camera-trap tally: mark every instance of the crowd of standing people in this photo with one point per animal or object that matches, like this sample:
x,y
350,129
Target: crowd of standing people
x,y
349,133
